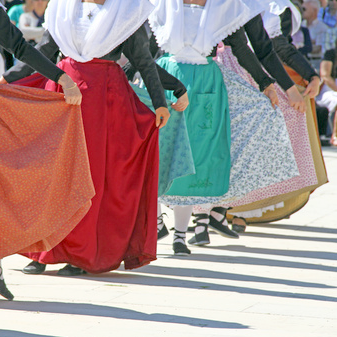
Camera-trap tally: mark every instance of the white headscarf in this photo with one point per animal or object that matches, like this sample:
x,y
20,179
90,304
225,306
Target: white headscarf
x,y
116,22
219,19
271,17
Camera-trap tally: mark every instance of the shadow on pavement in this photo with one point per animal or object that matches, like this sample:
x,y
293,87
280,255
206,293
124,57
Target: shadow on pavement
x,y
210,274
257,261
113,312
12,333
296,228
289,237
280,252
125,278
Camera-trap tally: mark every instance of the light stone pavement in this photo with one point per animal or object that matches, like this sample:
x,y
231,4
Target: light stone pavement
x,y
278,279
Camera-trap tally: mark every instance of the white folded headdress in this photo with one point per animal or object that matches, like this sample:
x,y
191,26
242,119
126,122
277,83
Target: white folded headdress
x,y
115,23
219,19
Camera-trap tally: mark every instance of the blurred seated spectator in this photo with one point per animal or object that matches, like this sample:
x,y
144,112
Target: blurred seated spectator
x,y
316,28
16,11
322,114
328,15
328,95
324,3
30,23
11,3
302,41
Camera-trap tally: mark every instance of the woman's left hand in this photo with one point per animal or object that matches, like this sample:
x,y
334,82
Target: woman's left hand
x,y
162,116
181,104
312,89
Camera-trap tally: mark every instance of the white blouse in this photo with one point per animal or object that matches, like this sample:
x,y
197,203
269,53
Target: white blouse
x,y
86,12
192,16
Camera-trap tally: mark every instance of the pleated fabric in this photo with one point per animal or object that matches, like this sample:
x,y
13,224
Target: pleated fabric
x,y
302,129
122,142
45,181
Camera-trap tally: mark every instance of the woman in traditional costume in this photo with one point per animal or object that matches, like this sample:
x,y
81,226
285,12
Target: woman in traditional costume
x,y
281,20
222,140
121,132
32,127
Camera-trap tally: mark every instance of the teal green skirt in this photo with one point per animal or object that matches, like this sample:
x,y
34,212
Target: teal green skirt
x,y
174,147
208,125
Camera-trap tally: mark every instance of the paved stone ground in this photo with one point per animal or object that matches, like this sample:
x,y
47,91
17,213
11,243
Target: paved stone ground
x,y
278,279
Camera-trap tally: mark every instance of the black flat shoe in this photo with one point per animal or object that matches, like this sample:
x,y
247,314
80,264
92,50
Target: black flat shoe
x,y
200,239
219,226
70,270
163,231
180,249
5,292
34,268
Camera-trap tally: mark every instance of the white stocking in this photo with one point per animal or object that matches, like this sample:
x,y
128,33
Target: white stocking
x,y
182,215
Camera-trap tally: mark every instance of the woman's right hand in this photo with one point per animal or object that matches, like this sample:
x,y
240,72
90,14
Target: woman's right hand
x,y
72,93
296,100
182,103
162,116
270,92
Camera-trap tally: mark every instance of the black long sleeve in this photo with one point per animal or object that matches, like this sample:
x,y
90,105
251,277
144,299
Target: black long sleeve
x,y
288,52
12,40
247,59
307,48
265,52
136,49
168,81
46,46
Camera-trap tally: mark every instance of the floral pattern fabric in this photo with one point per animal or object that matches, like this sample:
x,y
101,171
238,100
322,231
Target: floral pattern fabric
x,y
261,151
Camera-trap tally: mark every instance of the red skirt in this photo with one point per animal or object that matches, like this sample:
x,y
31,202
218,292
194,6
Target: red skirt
x,y
122,142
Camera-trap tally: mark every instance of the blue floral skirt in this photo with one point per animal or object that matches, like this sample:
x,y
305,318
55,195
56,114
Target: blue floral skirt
x,y
175,154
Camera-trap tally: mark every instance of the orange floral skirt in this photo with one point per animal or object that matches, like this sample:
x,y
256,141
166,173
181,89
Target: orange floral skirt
x,y
45,181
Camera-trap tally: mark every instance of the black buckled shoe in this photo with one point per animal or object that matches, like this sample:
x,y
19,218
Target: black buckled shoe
x,y
180,249
162,230
200,239
219,226
34,268
70,270
5,292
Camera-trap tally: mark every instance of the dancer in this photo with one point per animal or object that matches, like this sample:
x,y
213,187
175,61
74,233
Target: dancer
x,y
190,36
281,21
24,238
121,132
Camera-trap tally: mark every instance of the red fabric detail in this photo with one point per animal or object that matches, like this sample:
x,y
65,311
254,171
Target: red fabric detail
x,y
122,142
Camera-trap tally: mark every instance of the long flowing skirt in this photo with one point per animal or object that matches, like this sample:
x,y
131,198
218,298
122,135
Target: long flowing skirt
x,y
175,154
303,134
122,142
208,126
261,153
45,182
